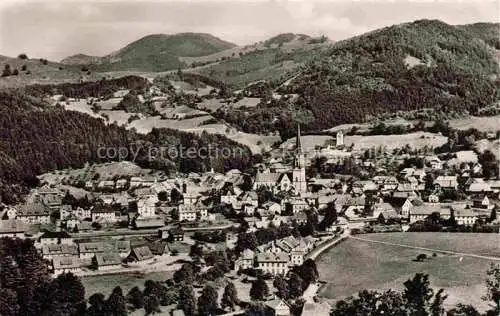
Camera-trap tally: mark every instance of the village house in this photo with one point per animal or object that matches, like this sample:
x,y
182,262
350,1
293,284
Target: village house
x,y
136,182
267,180
278,307
297,205
176,233
12,228
51,198
62,265
36,213
191,212
230,196
121,183
386,210
122,248
140,254
106,185
434,162
482,203
273,263
108,261
50,251
446,182
245,261
479,188
88,250
421,212
463,215
50,237
83,213
103,214
402,207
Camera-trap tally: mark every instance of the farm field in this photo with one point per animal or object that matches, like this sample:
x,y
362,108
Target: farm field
x,y
106,283
355,265
415,140
482,124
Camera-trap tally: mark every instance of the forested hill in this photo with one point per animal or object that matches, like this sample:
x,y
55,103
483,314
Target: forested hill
x,y
426,63
36,138
423,64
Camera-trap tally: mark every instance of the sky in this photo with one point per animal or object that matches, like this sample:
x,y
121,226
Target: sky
x,y
55,29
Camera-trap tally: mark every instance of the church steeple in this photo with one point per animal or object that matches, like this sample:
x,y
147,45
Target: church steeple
x,y
299,167
298,145
299,161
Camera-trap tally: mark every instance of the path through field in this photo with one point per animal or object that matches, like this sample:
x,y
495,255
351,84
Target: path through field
x,y
462,254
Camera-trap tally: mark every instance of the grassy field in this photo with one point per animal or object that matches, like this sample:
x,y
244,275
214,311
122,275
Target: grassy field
x,y
483,124
415,140
106,283
355,265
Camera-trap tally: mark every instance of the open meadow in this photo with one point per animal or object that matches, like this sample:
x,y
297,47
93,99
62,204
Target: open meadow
x,y
415,140
355,265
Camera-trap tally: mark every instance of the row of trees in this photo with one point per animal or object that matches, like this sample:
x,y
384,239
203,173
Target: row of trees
x,y
417,298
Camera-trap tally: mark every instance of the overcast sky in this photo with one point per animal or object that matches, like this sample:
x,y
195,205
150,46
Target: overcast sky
x,y
59,28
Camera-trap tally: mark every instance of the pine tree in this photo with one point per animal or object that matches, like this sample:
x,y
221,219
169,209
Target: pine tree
x,y
230,297
207,302
187,300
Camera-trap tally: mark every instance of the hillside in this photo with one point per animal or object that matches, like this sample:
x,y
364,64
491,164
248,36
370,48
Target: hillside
x,y
423,64
37,138
488,32
154,53
81,59
41,71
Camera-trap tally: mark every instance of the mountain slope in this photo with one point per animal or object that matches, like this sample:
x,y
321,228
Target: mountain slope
x,y
488,32
423,64
81,59
41,71
157,52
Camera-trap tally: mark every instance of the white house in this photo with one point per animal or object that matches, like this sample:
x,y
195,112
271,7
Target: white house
x,y
273,263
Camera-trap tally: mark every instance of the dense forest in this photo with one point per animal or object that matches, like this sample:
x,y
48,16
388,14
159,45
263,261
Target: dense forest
x,y
100,89
36,140
424,64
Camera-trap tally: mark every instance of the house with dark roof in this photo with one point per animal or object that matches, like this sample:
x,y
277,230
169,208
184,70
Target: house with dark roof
x,y
34,213
140,254
59,250
176,234
62,265
108,261
104,214
51,237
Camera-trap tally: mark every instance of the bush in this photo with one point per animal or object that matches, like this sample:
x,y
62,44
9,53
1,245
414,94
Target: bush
x,y
22,56
421,257
24,68
6,71
15,72
174,252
